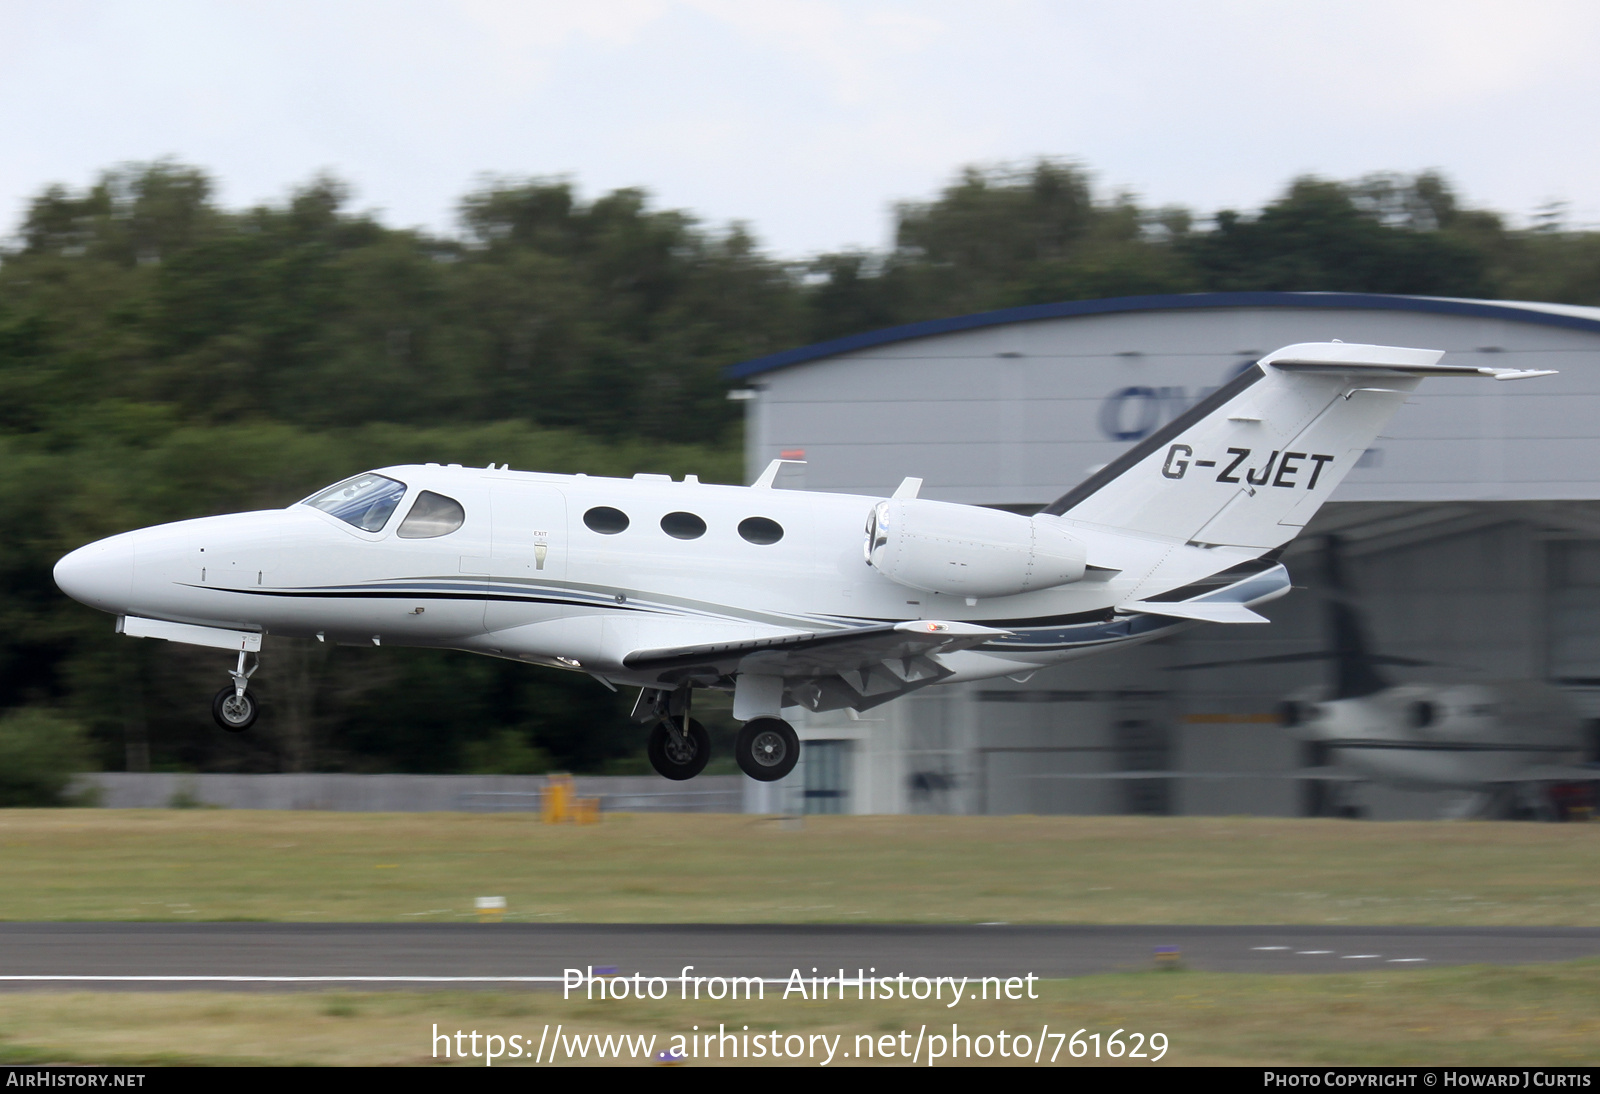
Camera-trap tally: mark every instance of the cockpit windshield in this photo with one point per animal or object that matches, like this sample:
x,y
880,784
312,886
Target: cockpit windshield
x,y
366,501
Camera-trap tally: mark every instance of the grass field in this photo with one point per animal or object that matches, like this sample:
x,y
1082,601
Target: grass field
x,y
206,864
1543,1015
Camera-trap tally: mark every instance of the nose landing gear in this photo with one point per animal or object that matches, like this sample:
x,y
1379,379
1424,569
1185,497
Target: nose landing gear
x,y
233,708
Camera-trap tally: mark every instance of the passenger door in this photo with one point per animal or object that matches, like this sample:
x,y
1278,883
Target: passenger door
x,y
528,556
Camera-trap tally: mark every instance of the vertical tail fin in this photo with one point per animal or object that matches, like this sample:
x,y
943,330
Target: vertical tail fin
x,y
1249,465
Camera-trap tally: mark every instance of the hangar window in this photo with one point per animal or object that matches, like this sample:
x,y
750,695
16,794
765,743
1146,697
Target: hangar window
x,y
606,520
365,501
683,526
760,530
433,515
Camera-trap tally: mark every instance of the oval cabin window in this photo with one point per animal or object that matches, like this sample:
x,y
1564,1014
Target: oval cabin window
x,y
433,515
683,526
606,520
760,530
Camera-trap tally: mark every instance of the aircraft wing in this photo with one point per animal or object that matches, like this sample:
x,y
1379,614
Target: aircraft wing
x,y
859,667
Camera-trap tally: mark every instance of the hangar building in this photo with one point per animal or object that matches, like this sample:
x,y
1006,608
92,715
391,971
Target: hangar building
x,y
1470,532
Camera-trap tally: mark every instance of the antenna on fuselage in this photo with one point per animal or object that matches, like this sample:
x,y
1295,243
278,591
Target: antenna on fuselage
x,y
765,480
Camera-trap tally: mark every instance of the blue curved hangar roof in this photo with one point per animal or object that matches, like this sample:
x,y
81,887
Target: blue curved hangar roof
x,y
1570,316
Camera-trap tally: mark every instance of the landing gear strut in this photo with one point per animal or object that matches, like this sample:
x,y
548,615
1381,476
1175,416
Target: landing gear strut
x,y
679,747
767,749
233,708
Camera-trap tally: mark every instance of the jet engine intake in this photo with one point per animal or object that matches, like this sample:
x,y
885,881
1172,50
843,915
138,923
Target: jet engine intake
x,y
965,550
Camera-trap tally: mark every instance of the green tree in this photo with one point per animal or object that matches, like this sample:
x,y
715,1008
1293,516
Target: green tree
x,y
1330,237
40,752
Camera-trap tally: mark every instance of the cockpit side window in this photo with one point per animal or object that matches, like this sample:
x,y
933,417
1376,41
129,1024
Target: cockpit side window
x,y
432,515
365,501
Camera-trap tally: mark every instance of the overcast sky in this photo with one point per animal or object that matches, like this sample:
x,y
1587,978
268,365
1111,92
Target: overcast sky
x,y
805,119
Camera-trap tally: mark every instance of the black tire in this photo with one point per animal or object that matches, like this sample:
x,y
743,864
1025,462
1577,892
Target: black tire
x,y
671,763
767,749
235,713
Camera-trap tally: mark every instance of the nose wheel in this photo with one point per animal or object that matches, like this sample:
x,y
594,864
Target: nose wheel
x,y
679,748
767,749
234,708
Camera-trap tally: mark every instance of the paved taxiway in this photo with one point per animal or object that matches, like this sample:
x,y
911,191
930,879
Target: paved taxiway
x,y
242,955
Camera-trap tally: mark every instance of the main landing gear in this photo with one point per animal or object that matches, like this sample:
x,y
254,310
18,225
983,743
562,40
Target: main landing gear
x,y
767,749
234,708
679,747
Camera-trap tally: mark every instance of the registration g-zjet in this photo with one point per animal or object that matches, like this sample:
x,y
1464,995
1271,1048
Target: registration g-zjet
x,y
773,594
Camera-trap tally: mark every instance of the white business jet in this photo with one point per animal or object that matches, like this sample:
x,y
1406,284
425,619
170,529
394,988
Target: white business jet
x,y
775,595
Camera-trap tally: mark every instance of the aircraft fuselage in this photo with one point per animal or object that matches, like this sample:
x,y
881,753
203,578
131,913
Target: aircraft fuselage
x,y
526,576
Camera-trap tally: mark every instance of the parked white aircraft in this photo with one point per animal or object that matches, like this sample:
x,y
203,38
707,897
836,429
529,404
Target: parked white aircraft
x,y
773,594
1507,743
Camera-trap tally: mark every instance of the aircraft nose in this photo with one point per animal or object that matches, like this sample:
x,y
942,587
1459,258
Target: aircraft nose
x,y
99,575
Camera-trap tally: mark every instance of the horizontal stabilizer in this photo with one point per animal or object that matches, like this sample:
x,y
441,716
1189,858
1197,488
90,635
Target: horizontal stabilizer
x,y
1207,611
1351,359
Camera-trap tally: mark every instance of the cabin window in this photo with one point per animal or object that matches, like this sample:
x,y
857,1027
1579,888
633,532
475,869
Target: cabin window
x,y
433,515
760,530
683,526
366,501
606,520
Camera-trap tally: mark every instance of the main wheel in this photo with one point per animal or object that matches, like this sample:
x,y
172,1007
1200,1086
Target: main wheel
x,y
767,749
234,712
682,755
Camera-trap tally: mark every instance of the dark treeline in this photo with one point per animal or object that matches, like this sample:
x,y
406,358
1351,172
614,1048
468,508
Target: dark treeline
x,y
162,357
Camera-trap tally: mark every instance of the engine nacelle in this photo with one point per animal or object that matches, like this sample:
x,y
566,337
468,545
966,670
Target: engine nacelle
x,y
965,550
